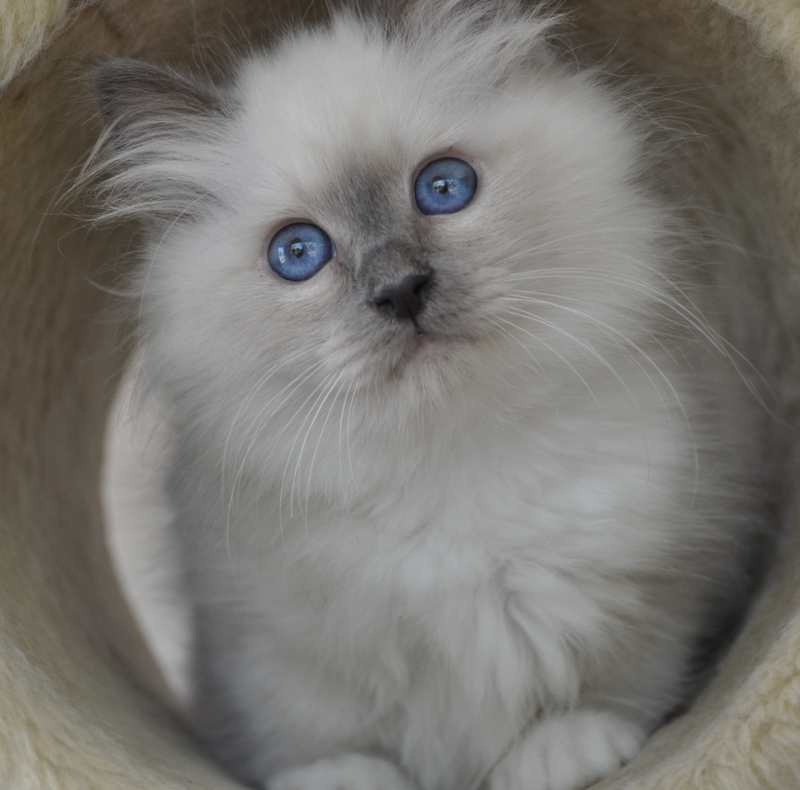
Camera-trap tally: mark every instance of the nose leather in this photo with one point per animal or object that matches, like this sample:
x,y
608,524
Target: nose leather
x,y
406,297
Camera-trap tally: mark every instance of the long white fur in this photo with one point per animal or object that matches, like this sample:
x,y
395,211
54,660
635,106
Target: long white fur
x,y
486,560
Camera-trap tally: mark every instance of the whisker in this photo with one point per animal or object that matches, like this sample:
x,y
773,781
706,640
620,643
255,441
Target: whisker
x,y
315,395
345,402
287,392
586,346
657,368
691,315
348,434
529,351
333,388
555,353
248,400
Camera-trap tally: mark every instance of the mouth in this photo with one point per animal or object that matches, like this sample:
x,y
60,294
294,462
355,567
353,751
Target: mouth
x,y
413,346
420,348
417,328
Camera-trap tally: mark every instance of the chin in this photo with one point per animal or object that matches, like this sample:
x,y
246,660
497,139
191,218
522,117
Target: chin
x,y
428,374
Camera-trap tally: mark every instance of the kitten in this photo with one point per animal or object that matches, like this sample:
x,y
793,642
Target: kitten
x,y
462,474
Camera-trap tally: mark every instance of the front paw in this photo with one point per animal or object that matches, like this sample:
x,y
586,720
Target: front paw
x,y
569,752
345,772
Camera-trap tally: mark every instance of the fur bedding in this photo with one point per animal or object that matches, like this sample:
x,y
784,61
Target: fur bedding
x,y
69,716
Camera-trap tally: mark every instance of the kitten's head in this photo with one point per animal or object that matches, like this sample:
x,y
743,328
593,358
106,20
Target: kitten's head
x,y
420,213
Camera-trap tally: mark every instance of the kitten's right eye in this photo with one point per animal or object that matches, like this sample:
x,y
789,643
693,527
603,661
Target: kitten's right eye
x,y
298,251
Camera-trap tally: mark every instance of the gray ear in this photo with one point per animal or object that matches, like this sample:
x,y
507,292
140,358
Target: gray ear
x,y
161,151
125,89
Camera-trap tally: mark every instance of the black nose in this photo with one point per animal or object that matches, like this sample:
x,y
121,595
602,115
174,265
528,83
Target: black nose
x,y
406,297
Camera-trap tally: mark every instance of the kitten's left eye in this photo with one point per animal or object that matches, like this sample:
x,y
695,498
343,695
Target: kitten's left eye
x,y
445,186
298,251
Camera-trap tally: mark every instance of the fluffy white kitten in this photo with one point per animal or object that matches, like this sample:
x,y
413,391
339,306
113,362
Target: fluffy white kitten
x,y
462,472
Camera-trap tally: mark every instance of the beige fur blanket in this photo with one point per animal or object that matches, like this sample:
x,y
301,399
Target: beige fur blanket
x,y
70,719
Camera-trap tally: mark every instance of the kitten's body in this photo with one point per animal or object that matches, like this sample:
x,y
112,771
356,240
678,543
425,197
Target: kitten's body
x,y
485,552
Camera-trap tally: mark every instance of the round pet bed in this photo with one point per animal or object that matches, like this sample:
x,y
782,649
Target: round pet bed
x,y
71,715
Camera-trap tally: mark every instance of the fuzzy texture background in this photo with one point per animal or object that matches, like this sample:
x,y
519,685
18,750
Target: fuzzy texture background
x,y
25,28
69,717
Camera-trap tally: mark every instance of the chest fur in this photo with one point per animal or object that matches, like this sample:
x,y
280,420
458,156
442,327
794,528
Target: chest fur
x,y
439,617
446,647
488,571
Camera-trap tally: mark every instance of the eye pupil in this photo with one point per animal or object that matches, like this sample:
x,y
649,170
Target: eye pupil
x,y
297,248
445,186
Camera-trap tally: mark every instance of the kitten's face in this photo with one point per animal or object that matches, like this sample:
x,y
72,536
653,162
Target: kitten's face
x,y
516,278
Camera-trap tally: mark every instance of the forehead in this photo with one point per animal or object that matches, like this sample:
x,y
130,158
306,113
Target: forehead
x,y
335,116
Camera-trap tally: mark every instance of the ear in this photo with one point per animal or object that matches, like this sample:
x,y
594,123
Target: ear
x,y
483,42
126,89
163,147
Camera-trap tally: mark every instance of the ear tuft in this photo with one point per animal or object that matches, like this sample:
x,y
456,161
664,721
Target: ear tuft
x,y
125,89
159,156
482,42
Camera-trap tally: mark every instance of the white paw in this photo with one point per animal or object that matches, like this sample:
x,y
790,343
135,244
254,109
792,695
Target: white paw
x,y
569,752
346,772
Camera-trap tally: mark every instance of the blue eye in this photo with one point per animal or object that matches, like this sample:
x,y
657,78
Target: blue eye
x,y
445,186
297,252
